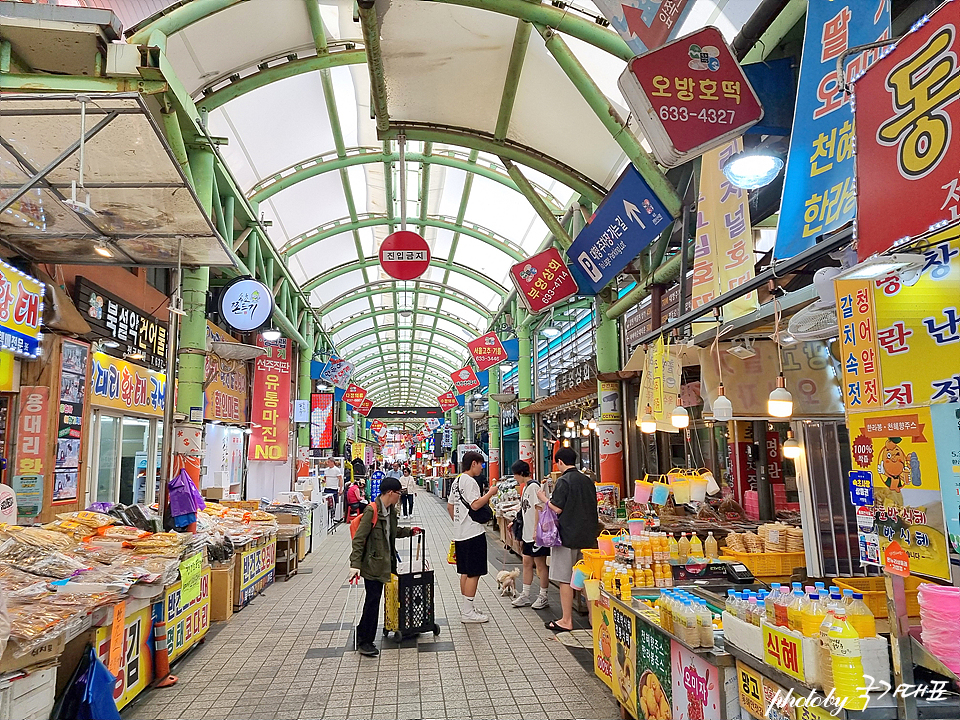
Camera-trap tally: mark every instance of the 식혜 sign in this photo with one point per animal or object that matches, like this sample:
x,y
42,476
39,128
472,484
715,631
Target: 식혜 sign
x,y
907,120
543,280
690,96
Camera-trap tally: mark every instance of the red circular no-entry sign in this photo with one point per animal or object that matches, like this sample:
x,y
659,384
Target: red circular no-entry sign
x,y
404,255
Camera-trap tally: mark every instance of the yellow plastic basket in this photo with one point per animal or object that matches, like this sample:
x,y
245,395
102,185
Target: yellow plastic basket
x,y
875,593
769,564
595,560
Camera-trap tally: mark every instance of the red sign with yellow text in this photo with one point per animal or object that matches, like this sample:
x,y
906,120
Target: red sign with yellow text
x,y
487,351
908,161
354,395
464,379
270,434
447,401
365,406
543,280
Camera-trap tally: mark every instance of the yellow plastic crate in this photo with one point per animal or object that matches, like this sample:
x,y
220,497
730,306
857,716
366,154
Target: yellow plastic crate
x,y
768,564
391,605
875,593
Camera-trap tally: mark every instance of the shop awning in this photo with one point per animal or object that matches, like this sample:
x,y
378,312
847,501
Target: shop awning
x,y
581,390
141,208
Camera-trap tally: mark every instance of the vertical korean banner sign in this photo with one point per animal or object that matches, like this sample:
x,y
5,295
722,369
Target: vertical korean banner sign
x,y
724,245
271,402
818,189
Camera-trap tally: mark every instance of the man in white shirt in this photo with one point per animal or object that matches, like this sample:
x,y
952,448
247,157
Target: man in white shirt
x,y
333,475
469,537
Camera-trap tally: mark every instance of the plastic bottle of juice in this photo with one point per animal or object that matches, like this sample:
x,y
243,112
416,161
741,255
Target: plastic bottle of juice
x,y
691,633
770,607
683,548
705,625
659,604
761,610
753,610
638,576
847,598
824,658
813,615
696,547
781,603
860,616
743,607
664,606
795,611
648,579
728,606
710,547
607,576
846,661
673,548
664,548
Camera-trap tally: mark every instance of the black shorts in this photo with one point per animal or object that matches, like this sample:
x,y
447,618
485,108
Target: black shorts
x,y
472,556
530,550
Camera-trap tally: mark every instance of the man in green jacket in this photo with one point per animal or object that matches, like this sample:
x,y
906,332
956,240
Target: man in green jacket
x,y
374,558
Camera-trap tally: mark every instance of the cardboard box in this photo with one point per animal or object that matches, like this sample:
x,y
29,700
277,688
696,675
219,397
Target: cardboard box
x,y
242,504
302,547
47,652
287,519
221,590
213,493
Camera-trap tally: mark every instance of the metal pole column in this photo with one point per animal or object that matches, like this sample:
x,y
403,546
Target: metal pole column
x,y
525,390
493,424
305,383
608,399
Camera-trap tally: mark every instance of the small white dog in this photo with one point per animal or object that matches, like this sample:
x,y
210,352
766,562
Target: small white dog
x,y
507,582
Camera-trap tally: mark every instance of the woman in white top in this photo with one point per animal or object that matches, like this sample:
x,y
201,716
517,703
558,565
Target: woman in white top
x,y
408,488
530,508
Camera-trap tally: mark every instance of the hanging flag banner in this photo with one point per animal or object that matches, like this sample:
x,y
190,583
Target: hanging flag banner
x,y
464,379
906,110
432,424
689,96
364,407
270,432
724,242
447,401
898,446
818,189
354,395
337,372
543,280
628,219
642,24
487,351
321,421
900,345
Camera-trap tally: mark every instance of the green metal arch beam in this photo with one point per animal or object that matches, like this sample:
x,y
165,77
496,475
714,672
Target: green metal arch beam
x,y
397,356
210,101
508,149
458,359
384,286
340,270
171,21
449,358
434,383
432,391
343,344
347,225
440,380
354,319
331,161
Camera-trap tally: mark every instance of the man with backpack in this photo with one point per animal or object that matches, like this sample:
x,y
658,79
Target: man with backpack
x,y
374,557
470,511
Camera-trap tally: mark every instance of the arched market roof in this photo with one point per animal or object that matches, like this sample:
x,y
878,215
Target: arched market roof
x,y
472,86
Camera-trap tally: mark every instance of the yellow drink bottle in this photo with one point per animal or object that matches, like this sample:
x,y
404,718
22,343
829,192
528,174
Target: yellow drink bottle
x,y
795,611
683,548
696,546
846,662
710,547
673,549
812,616
859,615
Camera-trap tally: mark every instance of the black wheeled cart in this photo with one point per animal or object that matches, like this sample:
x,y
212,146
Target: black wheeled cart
x,y
409,597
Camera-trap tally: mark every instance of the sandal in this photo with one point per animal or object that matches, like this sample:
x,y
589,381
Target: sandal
x,y
554,627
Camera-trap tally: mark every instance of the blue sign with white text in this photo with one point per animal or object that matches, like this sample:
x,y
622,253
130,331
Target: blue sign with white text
x,y
819,195
861,488
629,219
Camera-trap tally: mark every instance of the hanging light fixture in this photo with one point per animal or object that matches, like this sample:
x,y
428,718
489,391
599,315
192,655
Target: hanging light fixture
x,y
551,330
780,402
592,424
679,418
567,433
570,424
722,407
566,443
752,169
648,423
585,431
271,334
102,249
791,448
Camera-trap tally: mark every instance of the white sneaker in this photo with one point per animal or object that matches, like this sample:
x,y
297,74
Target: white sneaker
x,y
521,600
473,617
540,603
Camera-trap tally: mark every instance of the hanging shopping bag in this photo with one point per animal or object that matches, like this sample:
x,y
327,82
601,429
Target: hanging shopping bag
x,y
452,553
89,694
548,528
605,542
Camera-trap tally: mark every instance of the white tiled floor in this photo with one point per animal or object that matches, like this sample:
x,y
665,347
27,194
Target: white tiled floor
x,y
287,656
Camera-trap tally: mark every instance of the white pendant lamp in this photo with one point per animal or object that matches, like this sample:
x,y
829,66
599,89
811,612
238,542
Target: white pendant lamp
x,y
722,407
648,423
680,418
780,402
791,448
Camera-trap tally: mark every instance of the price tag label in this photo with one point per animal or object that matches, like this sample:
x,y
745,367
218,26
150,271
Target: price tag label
x,y
750,688
116,638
